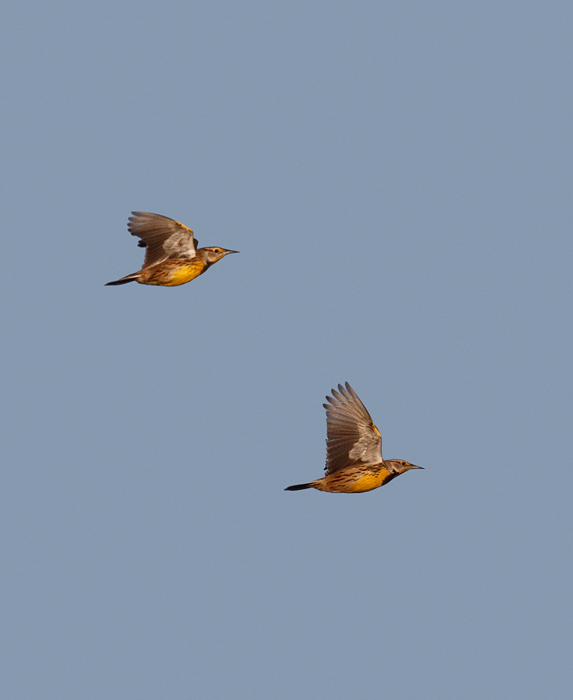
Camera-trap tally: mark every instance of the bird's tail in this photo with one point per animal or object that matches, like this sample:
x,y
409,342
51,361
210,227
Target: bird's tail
x,y
124,280
298,487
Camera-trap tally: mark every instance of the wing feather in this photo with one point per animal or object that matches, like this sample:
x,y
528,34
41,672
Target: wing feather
x,y
352,438
162,237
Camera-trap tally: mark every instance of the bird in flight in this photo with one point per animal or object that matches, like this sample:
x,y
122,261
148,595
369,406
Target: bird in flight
x,y
171,254
354,461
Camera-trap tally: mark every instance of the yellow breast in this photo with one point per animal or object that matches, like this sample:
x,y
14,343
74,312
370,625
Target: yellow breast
x,y
184,274
367,482
172,273
352,480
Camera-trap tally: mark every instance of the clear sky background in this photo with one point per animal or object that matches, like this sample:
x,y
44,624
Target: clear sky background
x,y
397,179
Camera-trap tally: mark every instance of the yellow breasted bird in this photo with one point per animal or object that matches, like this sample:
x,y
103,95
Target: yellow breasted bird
x,y
354,461
171,254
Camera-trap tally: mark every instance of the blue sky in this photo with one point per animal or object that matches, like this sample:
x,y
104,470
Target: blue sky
x,y
397,179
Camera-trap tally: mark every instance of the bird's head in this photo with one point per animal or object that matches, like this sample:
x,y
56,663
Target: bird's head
x,y
400,466
211,255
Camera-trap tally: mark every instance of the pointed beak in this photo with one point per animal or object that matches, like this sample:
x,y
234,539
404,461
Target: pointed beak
x,y
227,252
413,466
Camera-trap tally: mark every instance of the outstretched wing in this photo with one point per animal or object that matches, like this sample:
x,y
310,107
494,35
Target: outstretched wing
x,y
161,237
352,438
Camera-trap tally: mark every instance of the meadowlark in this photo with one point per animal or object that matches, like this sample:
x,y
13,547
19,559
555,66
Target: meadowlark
x,y
354,461
171,254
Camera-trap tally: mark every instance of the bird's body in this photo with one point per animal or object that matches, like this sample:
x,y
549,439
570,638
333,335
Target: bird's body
x,y
354,462
355,479
170,273
171,257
